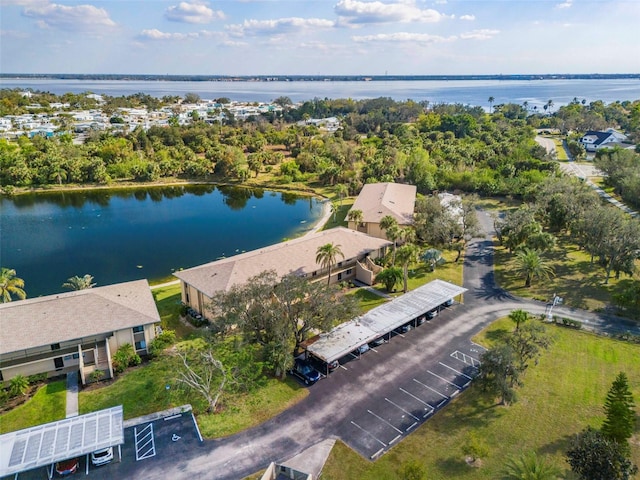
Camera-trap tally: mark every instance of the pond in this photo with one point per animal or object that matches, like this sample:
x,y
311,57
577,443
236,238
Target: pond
x,y
118,235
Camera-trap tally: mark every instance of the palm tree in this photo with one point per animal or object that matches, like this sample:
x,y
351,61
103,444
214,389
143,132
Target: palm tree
x,y
406,254
10,285
530,467
491,100
326,257
355,216
531,265
334,209
549,105
393,234
390,277
342,191
387,222
79,283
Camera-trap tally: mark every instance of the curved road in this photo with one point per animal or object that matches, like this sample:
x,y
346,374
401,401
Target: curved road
x,y
342,396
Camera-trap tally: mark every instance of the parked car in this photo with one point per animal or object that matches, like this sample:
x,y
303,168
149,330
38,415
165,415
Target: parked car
x,y
305,372
377,342
323,366
432,314
67,467
448,303
102,457
404,328
363,348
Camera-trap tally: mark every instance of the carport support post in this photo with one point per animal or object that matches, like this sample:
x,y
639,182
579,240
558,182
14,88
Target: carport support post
x,y
119,453
50,472
86,472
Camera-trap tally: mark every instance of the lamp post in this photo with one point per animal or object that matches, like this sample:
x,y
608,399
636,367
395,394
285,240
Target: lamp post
x,y
556,301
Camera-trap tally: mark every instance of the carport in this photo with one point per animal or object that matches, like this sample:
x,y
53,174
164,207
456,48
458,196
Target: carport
x,y
44,445
382,320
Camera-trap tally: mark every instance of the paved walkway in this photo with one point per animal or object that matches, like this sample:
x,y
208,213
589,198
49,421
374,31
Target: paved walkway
x,y
72,394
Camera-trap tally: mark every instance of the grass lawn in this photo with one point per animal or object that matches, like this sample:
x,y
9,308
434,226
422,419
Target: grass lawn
x,y
368,300
168,301
339,220
47,405
580,283
142,390
563,394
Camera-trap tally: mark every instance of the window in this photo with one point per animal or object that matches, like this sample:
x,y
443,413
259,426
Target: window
x,y
186,297
348,272
55,346
58,362
138,329
339,264
314,274
141,345
340,276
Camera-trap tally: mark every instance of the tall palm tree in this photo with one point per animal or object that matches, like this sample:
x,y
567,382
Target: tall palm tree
x,y
531,265
386,222
326,257
549,105
342,191
79,283
10,285
393,234
491,100
406,254
355,216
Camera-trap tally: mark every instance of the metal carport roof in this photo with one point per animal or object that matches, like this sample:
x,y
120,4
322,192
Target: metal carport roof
x,y
46,444
378,321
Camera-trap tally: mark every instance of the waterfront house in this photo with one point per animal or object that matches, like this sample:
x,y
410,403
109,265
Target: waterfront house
x,y
377,200
298,257
79,330
594,140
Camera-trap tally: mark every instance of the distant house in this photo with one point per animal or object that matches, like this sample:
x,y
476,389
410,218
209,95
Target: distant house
x,y
377,200
297,257
594,140
78,330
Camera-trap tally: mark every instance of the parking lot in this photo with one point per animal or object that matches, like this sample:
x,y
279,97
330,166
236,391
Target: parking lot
x,y
383,420
172,439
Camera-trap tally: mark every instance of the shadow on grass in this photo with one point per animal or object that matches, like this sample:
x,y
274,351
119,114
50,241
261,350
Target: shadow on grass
x,y
55,387
558,446
453,466
497,336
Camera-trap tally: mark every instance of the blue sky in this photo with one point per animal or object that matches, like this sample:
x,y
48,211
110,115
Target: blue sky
x,y
320,37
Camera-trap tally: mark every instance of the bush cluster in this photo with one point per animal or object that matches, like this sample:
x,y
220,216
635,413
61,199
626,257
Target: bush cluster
x,y
125,357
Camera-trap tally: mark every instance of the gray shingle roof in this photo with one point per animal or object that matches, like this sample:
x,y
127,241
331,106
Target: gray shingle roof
x,y
66,316
296,256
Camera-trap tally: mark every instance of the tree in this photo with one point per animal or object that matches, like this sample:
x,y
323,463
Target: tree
x,y
519,316
355,216
498,373
204,374
491,100
406,255
390,277
79,283
432,257
529,466
327,257
531,265
388,222
593,456
526,342
342,191
619,410
10,285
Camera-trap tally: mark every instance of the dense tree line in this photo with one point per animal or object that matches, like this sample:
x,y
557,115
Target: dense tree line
x,y
622,170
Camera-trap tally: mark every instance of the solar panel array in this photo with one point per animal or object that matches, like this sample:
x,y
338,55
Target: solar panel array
x,y
72,437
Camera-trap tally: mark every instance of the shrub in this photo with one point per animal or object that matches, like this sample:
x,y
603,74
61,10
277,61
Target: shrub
x,y
162,341
37,378
125,357
96,376
567,322
18,385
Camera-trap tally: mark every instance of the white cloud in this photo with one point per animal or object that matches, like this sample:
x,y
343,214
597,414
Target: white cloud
x,y
565,4
402,37
79,17
468,17
186,12
355,12
13,34
484,34
155,34
278,26
24,3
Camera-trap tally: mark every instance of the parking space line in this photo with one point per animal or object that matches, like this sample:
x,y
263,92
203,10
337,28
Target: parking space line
x,y
342,366
420,400
473,362
442,402
398,437
370,434
398,406
444,379
383,420
411,426
460,373
143,439
435,391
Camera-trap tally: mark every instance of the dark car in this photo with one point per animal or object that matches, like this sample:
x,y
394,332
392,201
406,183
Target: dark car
x,y
432,314
377,342
404,328
322,366
305,372
67,467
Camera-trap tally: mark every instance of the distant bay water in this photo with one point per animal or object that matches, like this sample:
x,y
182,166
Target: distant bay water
x,y
118,235
468,92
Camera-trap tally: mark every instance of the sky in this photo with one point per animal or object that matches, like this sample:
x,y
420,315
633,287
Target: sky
x,y
320,37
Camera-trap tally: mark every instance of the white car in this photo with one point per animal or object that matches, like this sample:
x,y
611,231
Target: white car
x,y
102,457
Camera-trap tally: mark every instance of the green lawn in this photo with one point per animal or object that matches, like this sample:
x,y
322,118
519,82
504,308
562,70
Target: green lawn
x,y
47,405
561,153
339,219
561,395
168,301
368,300
580,283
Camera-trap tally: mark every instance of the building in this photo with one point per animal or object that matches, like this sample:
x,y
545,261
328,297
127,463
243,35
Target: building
x,y
298,257
592,140
377,200
78,330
